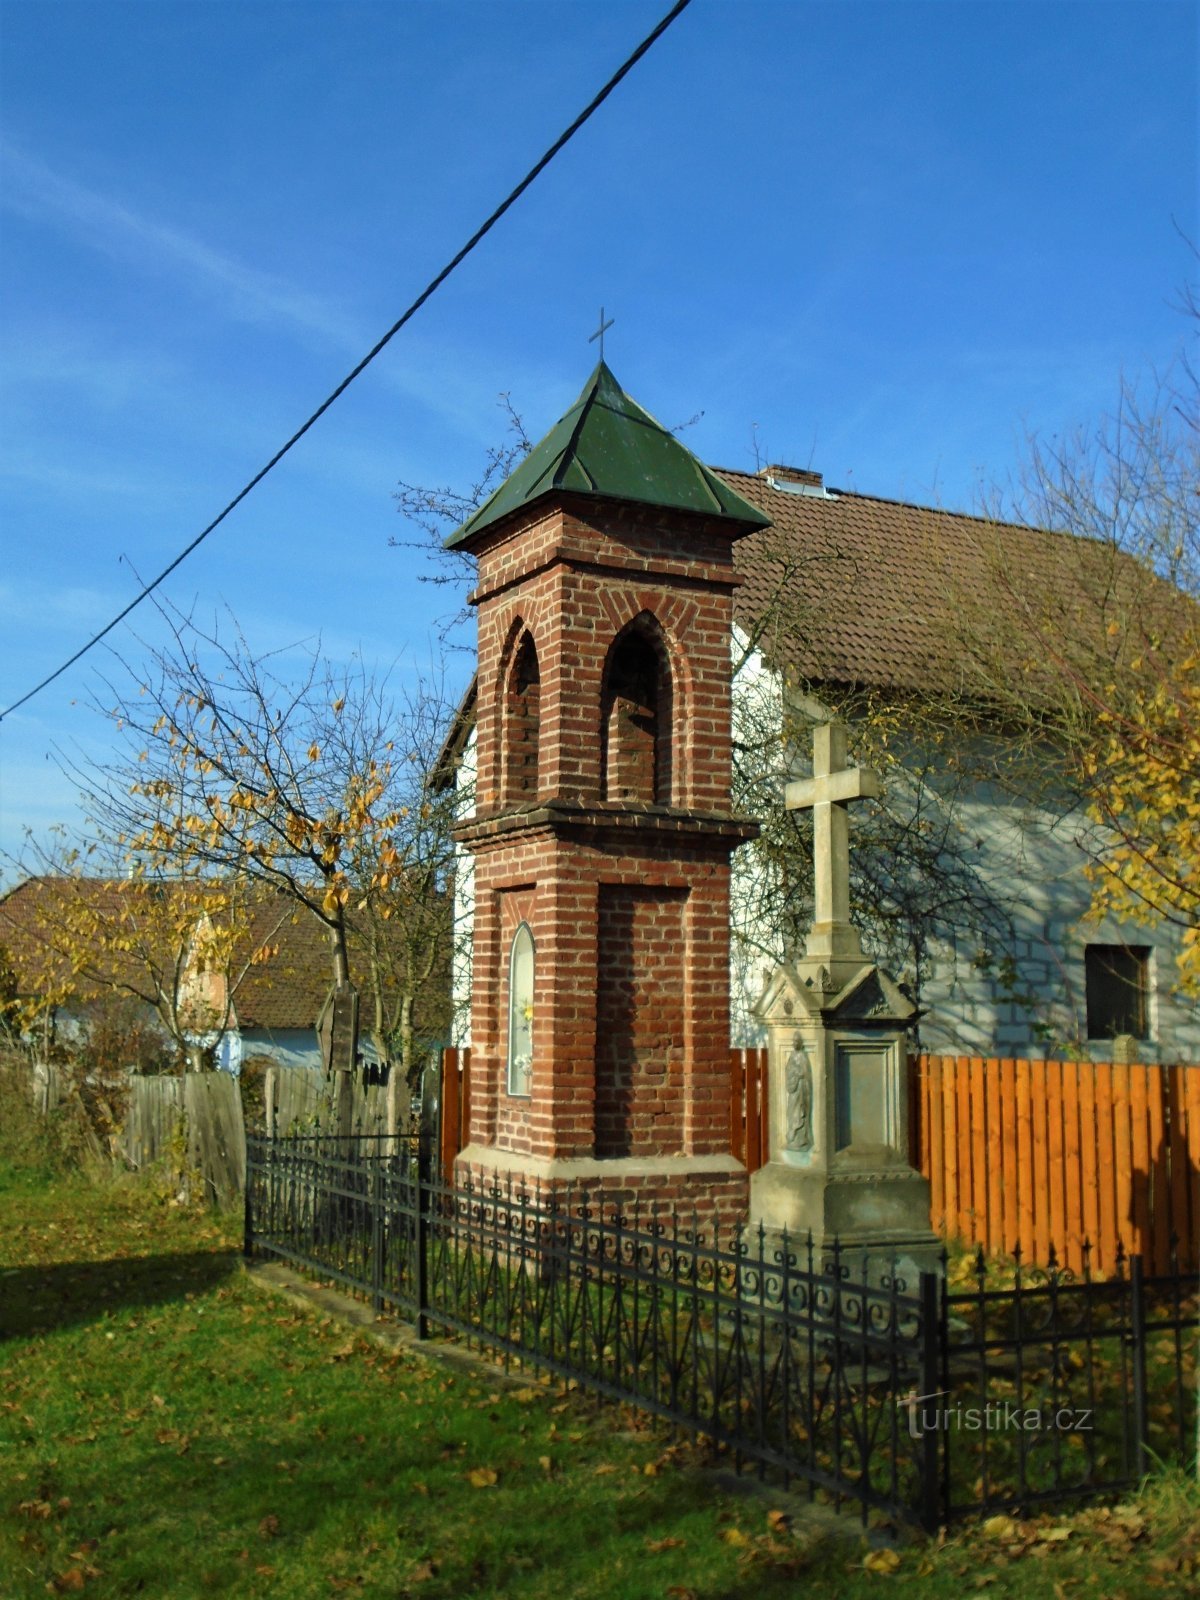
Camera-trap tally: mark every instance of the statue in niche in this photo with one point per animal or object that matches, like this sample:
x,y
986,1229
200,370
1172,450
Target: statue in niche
x,y
798,1091
520,1012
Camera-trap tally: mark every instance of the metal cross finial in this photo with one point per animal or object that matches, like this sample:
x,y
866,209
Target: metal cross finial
x,y
599,333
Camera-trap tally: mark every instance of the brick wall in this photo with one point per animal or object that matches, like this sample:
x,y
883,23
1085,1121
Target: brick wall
x,y
640,1023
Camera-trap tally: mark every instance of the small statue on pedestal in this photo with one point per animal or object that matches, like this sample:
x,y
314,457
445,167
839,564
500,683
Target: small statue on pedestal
x,y
798,1088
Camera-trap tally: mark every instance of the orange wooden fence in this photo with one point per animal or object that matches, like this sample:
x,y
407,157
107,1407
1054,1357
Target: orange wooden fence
x,y
1017,1153
1035,1153
456,1106
749,1130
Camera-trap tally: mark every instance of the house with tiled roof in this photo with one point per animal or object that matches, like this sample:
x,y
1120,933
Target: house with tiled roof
x,y
266,1002
851,600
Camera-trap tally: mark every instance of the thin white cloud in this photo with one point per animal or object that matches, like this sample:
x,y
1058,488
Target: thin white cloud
x,y
34,190
52,605
432,375
46,357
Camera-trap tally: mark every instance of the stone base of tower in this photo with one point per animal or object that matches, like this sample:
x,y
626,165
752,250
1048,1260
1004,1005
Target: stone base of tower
x,y
709,1194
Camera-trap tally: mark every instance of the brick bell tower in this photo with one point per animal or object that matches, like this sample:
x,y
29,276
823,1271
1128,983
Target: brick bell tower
x,y
602,831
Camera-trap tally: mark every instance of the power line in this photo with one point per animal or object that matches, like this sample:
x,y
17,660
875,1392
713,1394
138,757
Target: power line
x,y
563,139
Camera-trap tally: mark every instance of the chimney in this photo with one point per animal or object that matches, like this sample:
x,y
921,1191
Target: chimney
x,y
796,480
781,475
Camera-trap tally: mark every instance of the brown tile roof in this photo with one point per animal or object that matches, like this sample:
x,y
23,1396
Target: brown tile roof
x,y
880,594
289,990
850,590
32,932
285,992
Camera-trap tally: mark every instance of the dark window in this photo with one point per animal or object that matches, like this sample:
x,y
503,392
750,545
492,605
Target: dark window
x,y
523,711
635,729
1118,978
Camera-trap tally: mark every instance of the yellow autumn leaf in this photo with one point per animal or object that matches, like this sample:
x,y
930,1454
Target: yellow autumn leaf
x,y
882,1562
999,1527
482,1477
735,1537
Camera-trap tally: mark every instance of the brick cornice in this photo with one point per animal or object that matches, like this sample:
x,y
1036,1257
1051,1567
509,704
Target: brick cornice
x,y
681,575
558,817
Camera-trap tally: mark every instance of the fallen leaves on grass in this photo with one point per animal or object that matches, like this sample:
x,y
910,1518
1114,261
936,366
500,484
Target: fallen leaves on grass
x,y
69,1582
482,1477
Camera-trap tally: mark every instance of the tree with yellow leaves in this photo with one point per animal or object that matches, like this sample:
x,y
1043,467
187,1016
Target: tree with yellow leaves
x,y
1106,698
1143,773
315,784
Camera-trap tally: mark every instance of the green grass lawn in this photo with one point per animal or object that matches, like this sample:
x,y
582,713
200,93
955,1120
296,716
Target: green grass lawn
x,y
169,1428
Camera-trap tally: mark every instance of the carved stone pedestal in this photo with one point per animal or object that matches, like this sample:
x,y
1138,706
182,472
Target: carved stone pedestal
x,y
838,1166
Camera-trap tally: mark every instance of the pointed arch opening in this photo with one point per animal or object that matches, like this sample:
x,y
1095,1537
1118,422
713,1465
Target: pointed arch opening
x,y
522,721
636,717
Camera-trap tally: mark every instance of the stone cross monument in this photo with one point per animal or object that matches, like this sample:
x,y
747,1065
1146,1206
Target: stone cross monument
x,y
837,1027
833,938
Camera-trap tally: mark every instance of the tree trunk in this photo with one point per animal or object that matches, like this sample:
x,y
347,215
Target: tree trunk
x,y
337,940
198,1057
343,1069
399,1083
406,1039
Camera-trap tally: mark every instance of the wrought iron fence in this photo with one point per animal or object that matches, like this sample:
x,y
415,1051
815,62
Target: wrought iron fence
x,y
1056,1385
923,1400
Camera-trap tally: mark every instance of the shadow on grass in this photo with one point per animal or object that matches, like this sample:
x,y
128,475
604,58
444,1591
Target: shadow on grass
x,y
56,1294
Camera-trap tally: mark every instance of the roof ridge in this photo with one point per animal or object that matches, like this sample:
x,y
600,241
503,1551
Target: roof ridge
x,y
981,518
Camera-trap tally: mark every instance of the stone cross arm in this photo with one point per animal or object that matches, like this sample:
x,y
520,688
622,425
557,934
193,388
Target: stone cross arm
x,y
827,793
852,783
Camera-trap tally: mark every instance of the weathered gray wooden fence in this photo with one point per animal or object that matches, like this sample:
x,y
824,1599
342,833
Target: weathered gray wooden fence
x,y
44,1082
301,1098
197,1117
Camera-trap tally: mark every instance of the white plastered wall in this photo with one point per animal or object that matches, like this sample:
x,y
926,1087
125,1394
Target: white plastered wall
x,y
975,1001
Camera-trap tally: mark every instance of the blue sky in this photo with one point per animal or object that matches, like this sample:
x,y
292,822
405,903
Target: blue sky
x,y
895,237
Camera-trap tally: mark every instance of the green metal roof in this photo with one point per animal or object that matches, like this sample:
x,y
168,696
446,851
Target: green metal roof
x,y
608,447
